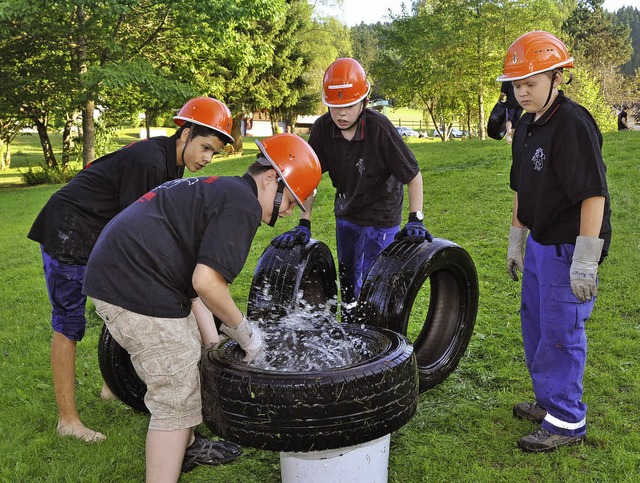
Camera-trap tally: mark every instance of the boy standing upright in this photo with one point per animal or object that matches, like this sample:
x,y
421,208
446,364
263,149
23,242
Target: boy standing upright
x,y
562,201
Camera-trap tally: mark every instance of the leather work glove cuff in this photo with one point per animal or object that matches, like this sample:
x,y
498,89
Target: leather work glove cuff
x,y
584,267
517,237
588,249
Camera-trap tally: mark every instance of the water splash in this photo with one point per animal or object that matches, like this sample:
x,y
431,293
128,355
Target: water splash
x,y
310,340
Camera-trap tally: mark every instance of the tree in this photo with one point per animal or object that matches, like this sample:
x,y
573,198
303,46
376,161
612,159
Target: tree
x,y
600,45
9,129
630,16
36,67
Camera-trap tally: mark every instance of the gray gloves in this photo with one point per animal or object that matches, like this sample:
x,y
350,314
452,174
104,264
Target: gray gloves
x,y
515,255
584,267
248,336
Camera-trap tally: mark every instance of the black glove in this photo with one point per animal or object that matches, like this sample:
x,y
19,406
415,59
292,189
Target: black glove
x,y
300,234
414,232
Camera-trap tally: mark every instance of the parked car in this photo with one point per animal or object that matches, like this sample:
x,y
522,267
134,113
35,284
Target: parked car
x,y
455,133
406,132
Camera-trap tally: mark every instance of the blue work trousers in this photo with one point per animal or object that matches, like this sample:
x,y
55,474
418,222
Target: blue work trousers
x,y
553,332
64,285
358,247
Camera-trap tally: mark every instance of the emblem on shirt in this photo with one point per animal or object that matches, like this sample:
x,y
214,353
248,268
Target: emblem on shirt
x,y
538,159
167,185
360,166
174,182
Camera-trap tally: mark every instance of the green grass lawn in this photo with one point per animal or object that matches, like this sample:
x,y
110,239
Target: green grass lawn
x,y
463,430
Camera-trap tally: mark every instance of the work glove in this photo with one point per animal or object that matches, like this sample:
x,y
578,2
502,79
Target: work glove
x,y
584,267
414,232
515,255
300,234
248,336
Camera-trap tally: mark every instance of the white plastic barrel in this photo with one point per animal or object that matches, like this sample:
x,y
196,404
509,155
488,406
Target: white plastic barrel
x,y
363,463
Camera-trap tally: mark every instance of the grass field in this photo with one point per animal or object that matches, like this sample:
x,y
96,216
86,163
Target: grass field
x,y
463,430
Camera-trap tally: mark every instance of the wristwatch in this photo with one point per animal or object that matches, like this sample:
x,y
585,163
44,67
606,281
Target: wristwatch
x,y
416,215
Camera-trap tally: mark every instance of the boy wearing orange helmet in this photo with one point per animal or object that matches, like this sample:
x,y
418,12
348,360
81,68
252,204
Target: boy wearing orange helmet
x,y
369,164
70,222
562,202
183,240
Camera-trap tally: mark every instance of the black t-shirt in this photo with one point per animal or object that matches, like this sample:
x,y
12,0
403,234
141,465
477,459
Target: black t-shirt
x,y
557,163
145,257
369,172
71,221
621,116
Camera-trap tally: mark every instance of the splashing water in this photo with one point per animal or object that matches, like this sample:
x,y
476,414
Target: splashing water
x,y
310,340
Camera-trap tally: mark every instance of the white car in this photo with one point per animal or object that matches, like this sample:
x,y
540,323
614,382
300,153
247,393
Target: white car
x,y
455,133
406,132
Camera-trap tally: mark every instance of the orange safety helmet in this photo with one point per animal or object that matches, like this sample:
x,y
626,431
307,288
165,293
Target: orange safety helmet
x,y
533,53
345,83
296,164
207,112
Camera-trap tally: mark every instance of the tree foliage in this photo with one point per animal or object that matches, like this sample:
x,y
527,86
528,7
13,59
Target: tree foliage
x,y
599,44
142,54
630,16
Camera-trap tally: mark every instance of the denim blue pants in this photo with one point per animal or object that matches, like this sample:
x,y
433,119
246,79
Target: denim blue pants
x,y
358,247
553,332
64,285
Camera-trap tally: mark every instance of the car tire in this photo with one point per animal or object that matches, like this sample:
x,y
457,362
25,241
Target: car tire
x,y
310,411
287,277
118,372
390,289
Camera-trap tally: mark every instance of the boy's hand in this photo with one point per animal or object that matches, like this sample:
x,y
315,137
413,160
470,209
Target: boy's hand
x,y
248,336
414,232
584,267
300,234
515,255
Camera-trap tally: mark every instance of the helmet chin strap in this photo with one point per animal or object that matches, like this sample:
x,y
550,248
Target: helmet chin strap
x,y
553,79
277,201
184,146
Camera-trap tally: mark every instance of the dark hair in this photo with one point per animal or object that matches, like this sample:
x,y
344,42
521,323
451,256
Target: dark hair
x,y
256,168
199,130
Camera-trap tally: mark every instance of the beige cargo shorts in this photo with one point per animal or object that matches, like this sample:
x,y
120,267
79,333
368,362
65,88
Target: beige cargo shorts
x,y
165,355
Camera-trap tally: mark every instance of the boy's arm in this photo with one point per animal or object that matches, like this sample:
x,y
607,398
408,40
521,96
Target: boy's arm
x,y
591,215
206,322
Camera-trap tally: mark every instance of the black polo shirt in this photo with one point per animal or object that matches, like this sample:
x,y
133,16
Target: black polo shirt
x,y
557,163
145,257
70,222
369,172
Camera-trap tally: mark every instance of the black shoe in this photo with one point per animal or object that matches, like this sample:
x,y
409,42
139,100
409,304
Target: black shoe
x,y
542,441
529,411
206,452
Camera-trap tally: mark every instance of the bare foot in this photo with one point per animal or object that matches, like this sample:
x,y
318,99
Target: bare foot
x,y
105,393
81,432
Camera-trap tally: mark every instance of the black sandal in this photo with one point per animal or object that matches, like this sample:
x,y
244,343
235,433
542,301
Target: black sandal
x,y
206,452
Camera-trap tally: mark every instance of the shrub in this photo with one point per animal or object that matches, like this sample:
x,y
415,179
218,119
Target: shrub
x,y
48,175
